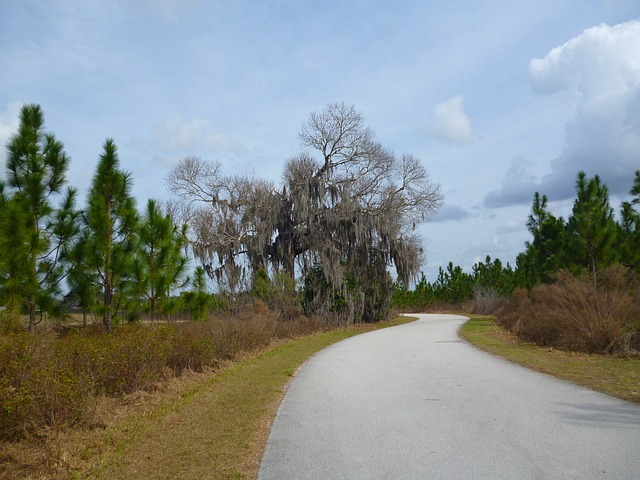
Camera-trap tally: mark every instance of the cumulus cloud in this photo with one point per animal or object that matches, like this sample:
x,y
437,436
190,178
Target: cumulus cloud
x,y
603,60
601,67
450,123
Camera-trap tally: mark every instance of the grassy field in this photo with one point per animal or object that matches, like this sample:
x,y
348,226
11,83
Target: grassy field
x,y
613,375
208,425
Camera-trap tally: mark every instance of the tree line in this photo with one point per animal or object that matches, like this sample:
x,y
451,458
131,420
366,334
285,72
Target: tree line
x,y
590,240
321,241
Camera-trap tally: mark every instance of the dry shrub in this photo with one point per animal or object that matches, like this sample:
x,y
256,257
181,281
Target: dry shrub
x,y
578,313
486,300
50,383
35,390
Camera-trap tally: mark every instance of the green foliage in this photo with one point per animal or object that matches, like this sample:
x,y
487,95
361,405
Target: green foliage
x,y
110,221
591,227
197,302
34,260
159,265
629,229
454,286
547,252
279,295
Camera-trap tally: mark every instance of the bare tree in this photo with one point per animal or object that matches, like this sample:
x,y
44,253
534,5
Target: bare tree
x,y
346,215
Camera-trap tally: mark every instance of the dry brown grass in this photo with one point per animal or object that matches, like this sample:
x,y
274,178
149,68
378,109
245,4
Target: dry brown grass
x,y
579,315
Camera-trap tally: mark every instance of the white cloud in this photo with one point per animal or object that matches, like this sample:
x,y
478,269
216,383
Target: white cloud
x,y
601,68
450,123
603,60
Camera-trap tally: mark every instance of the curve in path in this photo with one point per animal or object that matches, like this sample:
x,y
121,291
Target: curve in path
x,y
415,402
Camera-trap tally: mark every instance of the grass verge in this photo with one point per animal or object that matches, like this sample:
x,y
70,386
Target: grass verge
x,y
208,425
617,376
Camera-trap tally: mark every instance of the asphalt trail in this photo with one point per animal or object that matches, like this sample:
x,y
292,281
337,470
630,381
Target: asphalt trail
x,y
416,402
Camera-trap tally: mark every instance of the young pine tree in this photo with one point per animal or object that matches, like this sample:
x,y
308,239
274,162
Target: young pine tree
x,y
110,222
591,227
36,233
160,264
546,253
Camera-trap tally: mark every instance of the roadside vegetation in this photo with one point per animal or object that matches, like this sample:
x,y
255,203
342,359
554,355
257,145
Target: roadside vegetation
x,y
575,287
212,424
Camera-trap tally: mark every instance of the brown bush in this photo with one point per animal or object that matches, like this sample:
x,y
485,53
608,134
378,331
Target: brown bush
x,y
50,382
36,391
578,313
487,300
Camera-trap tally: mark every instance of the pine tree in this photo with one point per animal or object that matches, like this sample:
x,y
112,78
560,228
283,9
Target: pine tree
x,y
110,220
197,301
160,264
591,227
14,245
546,253
83,282
629,229
36,169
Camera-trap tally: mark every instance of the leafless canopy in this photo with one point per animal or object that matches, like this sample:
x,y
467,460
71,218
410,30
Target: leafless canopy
x,y
346,206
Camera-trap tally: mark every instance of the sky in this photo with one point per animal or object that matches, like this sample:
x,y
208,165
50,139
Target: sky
x,y
499,99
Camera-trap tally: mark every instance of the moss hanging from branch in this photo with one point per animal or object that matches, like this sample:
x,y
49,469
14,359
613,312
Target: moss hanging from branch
x,y
350,211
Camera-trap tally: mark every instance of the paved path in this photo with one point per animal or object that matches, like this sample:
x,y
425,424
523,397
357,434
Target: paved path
x,y
415,402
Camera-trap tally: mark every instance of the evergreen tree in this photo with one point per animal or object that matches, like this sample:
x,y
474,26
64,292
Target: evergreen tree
x,y
14,245
629,229
110,220
546,253
83,282
197,301
591,227
160,264
36,169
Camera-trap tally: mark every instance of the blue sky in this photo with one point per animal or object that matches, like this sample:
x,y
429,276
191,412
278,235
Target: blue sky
x,y
498,99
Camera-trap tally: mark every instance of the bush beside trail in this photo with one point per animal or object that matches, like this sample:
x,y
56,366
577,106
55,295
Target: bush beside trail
x,y
50,382
579,313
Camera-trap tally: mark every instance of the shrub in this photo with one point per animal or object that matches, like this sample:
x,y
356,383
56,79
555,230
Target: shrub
x,y
578,313
35,389
49,383
486,300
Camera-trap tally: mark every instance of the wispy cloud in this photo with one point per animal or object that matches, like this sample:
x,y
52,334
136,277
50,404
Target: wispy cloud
x,y
450,213
179,135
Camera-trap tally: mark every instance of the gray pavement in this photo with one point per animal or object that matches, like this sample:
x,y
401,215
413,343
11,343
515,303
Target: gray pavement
x,y
415,402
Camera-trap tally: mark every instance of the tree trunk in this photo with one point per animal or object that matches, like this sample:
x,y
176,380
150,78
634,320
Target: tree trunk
x,y
32,314
108,278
